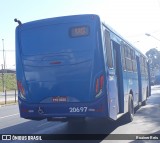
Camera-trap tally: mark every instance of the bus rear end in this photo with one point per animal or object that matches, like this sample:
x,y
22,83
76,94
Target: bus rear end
x,y
57,70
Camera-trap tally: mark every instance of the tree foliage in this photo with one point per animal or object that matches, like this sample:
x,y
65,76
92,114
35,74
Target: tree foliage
x,y
9,82
154,57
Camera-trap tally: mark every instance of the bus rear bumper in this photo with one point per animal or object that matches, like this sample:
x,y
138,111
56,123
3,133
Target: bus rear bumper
x,y
40,111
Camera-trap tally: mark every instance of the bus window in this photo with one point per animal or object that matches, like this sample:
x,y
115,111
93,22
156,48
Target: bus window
x,y
146,71
128,58
123,56
142,65
134,62
108,49
134,68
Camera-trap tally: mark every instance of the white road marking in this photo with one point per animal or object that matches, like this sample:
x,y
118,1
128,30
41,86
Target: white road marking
x,y
43,124
9,116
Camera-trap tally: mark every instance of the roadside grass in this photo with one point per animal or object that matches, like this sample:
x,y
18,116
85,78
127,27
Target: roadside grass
x,y
9,82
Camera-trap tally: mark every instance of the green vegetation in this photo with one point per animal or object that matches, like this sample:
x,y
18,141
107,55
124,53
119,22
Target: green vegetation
x,y
9,81
154,57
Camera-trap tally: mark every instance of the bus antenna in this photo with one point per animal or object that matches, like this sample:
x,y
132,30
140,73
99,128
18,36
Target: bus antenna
x,y
19,22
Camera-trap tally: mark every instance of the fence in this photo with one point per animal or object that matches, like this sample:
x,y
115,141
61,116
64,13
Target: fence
x,y
8,97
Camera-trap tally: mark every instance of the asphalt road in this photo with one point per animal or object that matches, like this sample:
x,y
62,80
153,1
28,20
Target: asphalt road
x,y
146,121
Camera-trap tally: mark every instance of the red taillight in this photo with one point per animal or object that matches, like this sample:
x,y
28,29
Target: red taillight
x,y
21,88
101,81
97,86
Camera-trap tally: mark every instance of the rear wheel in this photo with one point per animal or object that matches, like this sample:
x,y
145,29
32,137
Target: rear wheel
x,y
145,101
130,114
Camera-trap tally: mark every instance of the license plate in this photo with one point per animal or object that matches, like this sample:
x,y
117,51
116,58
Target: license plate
x,y
59,99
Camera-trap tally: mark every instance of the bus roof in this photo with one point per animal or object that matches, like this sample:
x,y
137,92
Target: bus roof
x,y
62,20
124,40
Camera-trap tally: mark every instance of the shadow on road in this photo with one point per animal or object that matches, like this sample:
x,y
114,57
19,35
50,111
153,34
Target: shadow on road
x,y
96,129
93,130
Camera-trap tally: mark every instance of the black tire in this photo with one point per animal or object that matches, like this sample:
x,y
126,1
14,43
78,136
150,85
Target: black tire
x,y
130,113
145,101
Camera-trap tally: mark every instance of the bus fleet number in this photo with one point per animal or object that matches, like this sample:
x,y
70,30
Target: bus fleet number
x,y
77,109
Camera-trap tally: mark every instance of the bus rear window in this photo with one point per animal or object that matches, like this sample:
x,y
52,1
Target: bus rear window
x,y
79,31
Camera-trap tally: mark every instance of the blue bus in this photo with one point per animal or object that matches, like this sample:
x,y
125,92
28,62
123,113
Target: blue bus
x,y
74,67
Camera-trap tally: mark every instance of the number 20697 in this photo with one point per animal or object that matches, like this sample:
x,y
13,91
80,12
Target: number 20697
x,y
77,109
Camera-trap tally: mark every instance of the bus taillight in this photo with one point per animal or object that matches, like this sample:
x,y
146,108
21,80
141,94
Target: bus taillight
x,y
101,81
21,89
97,85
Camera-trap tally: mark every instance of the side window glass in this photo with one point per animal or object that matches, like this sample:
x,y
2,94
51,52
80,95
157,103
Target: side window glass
x,y
142,64
108,49
123,56
134,62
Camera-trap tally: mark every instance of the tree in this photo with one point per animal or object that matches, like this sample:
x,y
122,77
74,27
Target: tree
x,y
154,58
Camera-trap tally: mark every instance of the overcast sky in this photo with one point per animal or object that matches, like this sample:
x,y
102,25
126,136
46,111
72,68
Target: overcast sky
x,y
130,18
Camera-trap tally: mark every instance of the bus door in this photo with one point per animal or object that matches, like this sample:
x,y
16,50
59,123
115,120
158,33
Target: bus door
x,y
139,79
119,76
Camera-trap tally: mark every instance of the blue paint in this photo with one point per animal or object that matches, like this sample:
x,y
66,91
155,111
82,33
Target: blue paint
x,y
65,58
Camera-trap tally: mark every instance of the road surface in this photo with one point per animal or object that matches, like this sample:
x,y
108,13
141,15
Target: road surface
x,y
146,121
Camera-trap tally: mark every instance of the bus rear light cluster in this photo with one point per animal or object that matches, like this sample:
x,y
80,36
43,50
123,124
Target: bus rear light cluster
x,y
99,84
21,89
101,81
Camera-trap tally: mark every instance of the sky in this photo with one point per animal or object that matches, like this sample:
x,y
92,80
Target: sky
x,y
130,18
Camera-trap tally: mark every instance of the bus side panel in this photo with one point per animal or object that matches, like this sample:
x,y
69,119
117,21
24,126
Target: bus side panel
x,y
133,86
112,96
